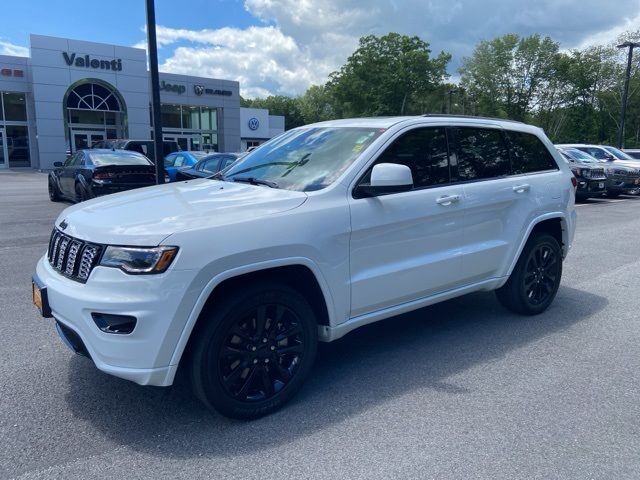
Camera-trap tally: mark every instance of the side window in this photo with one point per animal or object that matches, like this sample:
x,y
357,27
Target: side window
x,y
599,153
481,153
69,161
179,161
528,154
424,151
226,162
211,166
169,161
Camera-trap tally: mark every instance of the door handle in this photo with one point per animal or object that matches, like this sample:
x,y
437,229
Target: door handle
x,y
447,200
521,188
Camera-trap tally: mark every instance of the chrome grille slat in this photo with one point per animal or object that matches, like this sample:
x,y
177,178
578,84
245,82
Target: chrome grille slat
x,y
72,257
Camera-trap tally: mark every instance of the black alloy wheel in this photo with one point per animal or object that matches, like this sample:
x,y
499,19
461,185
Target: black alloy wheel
x,y
541,274
535,279
252,350
261,353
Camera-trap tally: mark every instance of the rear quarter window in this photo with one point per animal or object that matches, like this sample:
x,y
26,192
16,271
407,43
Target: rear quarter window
x,y
528,154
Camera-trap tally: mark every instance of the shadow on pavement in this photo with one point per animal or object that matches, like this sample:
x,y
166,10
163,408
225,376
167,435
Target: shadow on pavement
x,y
368,367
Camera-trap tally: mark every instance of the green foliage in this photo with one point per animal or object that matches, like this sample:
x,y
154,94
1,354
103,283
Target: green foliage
x,y
385,76
575,96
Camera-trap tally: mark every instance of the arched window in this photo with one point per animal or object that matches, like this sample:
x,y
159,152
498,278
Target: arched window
x,y
92,96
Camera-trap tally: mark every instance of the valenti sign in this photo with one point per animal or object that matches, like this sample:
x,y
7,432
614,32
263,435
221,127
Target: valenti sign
x,y
85,61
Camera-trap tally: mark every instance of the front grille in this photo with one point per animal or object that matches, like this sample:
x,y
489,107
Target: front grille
x,y
72,257
595,173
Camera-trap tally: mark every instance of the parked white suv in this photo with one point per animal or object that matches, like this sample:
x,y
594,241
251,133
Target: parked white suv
x,y
323,229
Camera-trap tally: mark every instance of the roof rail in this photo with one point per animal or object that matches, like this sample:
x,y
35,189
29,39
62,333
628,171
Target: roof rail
x,y
469,116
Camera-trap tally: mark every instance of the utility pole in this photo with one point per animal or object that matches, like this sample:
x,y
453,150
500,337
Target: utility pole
x,y
625,91
155,91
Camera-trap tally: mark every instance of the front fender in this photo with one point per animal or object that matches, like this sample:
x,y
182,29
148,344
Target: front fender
x,y
212,283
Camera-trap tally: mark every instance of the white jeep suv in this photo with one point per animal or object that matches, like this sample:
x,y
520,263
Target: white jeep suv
x,y
323,229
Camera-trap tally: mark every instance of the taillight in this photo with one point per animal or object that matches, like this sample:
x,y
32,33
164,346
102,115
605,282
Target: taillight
x,y
574,182
103,175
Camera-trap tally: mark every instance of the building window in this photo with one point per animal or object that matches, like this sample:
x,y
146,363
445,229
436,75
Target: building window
x,y
15,107
170,116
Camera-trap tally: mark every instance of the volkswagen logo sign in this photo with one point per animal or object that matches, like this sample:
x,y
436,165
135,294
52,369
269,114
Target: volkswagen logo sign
x,y
198,89
253,123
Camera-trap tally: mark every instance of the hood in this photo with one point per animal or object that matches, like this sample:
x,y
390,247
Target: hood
x,y
146,216
628,165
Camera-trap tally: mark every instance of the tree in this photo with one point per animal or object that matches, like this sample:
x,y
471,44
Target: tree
x,y
316,104
506,76
385,76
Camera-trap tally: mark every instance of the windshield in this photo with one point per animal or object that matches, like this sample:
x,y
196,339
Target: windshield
x,y
580,155
619,154
304,159
118,158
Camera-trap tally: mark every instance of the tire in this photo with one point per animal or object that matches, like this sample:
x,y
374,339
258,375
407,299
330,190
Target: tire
x,y
534,282
81,194
54,194
246,371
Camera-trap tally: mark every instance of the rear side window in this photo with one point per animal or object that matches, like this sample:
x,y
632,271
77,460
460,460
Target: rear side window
x,y
528,154
424,151
481,153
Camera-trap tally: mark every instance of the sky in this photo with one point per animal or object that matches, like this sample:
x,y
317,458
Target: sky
x,y
282,47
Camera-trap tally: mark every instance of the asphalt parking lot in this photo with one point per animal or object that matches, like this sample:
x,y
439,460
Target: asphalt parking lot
x,y
463,389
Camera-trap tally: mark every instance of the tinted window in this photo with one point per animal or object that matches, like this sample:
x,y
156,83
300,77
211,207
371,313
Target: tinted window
x,y
424,151
528,154
481,153
118,158
210,165
599,153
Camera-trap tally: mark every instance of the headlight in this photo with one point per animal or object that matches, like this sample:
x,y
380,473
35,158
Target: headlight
x,y
139,259
578,172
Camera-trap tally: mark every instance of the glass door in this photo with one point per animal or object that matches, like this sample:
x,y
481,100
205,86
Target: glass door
x,y
3,150
84,139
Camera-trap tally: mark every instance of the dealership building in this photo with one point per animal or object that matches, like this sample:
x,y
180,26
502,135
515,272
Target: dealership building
x,y
69,94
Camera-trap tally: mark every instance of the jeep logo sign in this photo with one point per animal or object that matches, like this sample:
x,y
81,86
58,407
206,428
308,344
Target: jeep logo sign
x,y
88,62
172,87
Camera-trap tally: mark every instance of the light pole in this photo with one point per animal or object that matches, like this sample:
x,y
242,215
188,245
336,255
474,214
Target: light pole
x,y
625,92
155,91
451,92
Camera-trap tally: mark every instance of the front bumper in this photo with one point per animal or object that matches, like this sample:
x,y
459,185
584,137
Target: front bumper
x,y
591,187
156,301
622,183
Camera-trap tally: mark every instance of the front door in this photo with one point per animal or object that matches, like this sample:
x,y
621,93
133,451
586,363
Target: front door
x,y
406,246
84,139
3,150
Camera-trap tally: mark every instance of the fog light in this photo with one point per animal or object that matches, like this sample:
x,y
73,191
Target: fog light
x,y
110,323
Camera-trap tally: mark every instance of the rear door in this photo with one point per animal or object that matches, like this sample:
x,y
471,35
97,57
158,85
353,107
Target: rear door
x,y
406,246
509,179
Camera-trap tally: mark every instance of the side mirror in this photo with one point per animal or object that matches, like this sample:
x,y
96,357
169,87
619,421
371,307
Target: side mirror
x,y
610,158
57,164
387,178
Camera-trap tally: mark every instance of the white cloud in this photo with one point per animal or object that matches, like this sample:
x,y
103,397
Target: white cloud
x,y
299,42
7,48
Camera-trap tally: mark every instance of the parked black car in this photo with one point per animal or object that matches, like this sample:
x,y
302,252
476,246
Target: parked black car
x,y
591,177
145,147
90,173
207,166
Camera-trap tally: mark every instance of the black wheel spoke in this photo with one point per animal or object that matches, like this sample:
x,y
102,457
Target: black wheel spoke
x,y
285,374
230,379
267,383
233,352
289,332
261,320
246,386
299,348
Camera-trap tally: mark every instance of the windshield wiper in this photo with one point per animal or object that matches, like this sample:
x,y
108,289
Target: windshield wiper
x,y
255,181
